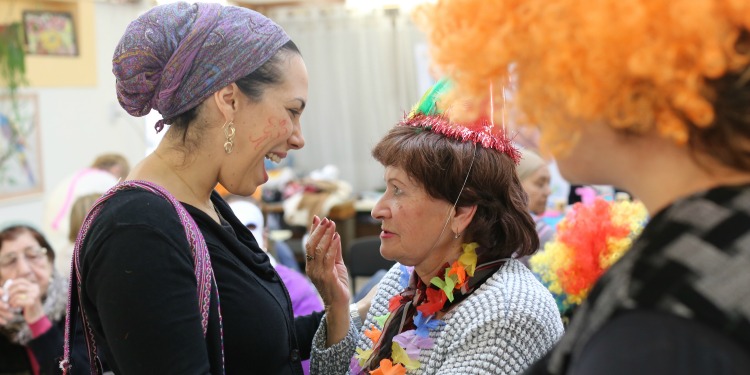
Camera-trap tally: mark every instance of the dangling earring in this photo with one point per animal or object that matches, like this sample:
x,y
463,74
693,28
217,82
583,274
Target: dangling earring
x,y
229,133
457,235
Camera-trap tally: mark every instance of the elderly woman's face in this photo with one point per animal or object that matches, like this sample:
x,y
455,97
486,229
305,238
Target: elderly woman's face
x,y
412,221
537,188
267,129
23,257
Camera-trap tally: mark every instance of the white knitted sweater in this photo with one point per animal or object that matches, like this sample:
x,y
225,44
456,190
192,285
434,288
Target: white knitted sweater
x,y
501,328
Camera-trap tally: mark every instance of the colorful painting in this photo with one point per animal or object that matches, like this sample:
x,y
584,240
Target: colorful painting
x,y
20,154
49,33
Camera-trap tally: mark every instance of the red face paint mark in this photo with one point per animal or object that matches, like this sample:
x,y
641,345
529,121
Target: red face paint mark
x,y
274,129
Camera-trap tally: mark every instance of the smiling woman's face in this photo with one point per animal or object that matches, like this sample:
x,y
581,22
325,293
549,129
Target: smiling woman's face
x,y
268,128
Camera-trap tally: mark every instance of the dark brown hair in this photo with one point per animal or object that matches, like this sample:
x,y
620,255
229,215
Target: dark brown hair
x,y
501,225
13,232
728,138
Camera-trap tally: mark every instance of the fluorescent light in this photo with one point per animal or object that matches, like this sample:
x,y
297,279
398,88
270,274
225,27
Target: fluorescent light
x,y
376,4
223,2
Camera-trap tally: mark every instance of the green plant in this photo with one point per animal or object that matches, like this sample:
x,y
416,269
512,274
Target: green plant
x,y
12,58
12,75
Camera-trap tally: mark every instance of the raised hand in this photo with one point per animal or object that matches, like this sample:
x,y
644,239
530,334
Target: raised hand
x,y
326,269
27,296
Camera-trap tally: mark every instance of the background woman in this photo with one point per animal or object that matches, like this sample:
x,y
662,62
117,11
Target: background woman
x,y
534,175
453,214
32,303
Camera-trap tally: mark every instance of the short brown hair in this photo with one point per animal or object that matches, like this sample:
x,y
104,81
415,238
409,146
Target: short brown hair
x,y
106,161
501,225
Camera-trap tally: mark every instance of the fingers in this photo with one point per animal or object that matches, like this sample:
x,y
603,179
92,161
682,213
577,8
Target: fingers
x,y
314,238
23,293
324,246
328,256
320,238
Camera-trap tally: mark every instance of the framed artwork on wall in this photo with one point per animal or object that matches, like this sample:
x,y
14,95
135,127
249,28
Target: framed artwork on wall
x,y
49,33
20,147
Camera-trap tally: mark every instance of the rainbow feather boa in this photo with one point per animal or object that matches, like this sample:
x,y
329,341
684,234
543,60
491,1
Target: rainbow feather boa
x,y
589,239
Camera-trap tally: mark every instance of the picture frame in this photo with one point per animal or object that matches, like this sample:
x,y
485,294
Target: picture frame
x,y
49,33
20,147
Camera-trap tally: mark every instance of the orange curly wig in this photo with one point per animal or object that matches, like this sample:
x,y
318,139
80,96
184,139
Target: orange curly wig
x,y
637,65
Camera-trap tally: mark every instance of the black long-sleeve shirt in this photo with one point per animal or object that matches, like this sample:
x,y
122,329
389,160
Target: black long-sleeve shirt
x,y
140,294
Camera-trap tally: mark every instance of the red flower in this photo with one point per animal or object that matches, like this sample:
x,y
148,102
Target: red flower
x,y
394,302
435,301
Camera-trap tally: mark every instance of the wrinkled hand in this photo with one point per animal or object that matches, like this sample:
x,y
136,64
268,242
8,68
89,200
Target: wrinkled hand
x,y
325,264
25,295
325,268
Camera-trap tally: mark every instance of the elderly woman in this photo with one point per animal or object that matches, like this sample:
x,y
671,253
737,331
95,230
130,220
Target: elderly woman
x,y
654,97
171,282
535,178
32,303
453,214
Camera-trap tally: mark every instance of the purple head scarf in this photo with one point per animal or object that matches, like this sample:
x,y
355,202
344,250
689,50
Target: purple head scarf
x,y
176,55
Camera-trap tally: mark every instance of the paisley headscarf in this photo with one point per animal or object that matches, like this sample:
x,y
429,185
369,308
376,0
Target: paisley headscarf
x,y
174,56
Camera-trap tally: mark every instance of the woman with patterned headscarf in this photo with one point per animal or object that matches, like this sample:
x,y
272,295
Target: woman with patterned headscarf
x,y
652,96
168,280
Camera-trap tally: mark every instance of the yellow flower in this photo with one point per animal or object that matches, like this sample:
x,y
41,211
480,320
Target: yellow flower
x,y
400,356
363,355
469,257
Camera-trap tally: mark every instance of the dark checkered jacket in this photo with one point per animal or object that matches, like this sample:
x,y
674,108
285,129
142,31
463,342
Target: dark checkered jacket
x,y
692,260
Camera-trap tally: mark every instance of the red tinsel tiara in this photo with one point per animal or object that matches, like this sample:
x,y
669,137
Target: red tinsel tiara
x,y
427,116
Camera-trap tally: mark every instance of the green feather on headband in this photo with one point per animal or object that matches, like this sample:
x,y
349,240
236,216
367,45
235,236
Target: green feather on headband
x,y
426,115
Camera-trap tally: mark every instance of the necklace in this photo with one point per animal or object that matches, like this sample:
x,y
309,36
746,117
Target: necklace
x,y
210,206
407,344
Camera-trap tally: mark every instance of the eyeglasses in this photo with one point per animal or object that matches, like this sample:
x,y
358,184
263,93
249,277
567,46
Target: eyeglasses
x,y
34,255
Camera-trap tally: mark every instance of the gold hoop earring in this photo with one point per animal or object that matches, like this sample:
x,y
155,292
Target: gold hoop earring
x,y
229,134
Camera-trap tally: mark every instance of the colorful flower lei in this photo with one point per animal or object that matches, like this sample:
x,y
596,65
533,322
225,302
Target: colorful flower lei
x,y
407,345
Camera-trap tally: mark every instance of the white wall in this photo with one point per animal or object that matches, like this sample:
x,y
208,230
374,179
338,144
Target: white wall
x,y
362,81
78,123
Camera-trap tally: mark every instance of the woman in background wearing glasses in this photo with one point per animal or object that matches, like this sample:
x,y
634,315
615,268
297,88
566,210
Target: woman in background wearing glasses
x,y
33,296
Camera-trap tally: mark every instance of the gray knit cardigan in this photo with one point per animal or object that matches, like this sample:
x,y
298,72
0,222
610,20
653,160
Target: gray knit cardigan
x,y
501,328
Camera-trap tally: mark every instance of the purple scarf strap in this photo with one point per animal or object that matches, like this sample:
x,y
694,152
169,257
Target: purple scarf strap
x,y
201,259
176,55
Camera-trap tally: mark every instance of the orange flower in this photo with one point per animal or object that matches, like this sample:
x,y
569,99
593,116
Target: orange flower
x,y
387,368
460,272
374,334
